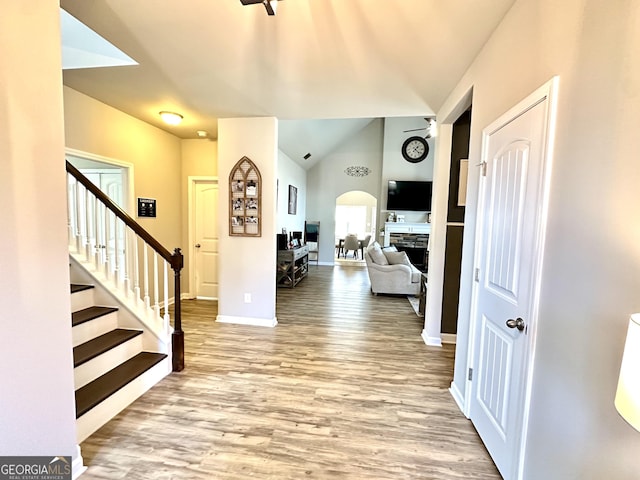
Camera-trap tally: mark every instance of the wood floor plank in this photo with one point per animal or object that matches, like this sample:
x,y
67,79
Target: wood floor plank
x,y
344,387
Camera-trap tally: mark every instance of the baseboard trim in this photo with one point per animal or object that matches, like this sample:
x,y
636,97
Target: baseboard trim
x,y
256,322
448,338
431,341
77,464
458,397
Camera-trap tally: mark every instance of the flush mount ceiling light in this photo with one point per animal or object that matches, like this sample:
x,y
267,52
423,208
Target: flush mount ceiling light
x,y
357,171
201,133
171,118
269,5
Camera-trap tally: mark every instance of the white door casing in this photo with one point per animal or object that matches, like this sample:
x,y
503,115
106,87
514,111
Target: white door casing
x,y
509,239
205,241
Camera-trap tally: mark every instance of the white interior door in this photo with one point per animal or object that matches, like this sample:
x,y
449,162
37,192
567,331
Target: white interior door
x,y
205,248
508,254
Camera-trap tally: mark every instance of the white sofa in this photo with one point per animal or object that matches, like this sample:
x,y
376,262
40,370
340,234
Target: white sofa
x,y
391,271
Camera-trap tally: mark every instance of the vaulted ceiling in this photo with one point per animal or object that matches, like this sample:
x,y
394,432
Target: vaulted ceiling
x,y
313,63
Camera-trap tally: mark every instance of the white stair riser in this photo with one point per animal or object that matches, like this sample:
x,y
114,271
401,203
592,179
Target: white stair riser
x,y
82,299
94,328
109,360
105,411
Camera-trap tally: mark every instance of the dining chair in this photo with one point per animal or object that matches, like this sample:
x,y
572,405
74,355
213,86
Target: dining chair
x,y
364,244
351,242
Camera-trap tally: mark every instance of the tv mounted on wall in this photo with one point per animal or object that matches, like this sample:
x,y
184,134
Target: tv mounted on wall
x,y
409,195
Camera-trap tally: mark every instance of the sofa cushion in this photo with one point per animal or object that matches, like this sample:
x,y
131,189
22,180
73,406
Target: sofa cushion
x,y
390,248
397,258
375,252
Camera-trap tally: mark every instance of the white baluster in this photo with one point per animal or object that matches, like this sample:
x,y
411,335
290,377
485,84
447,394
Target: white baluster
x,y
145,271
127,261
78,215
96,231
136,270
70,209
167,318
107,254
87,224
156,292
116,254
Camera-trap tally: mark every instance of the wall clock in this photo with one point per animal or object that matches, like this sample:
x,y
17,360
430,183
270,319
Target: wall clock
x,y
415,149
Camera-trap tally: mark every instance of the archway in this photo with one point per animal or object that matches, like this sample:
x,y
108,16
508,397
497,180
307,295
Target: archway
x,y
355,213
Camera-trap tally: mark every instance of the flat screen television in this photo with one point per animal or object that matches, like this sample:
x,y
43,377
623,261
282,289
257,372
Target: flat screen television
x,y
409,195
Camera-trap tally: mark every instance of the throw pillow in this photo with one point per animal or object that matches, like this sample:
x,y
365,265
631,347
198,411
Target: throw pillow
x,y
390,248
375,252
397,258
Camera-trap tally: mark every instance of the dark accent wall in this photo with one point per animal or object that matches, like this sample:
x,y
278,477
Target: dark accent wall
x,y
455,214
452,263
459,150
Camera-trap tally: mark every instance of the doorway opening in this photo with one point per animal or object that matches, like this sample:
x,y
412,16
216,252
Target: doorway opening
x,y
113,177
203,251
355,214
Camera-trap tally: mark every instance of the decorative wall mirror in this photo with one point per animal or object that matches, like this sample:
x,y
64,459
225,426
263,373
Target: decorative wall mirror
x,y
245,199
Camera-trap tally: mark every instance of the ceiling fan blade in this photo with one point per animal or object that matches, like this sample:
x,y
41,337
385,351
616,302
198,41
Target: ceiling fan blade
x,y
269,5
414,129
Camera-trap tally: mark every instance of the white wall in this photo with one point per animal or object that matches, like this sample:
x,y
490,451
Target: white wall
x,y
327,180
247,264
37,406
592,258
290,173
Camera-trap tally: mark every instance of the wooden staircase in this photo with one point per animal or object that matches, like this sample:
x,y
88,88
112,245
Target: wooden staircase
x,y
111,366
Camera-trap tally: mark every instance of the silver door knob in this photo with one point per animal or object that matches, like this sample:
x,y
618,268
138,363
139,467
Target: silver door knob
x,y
197,245
517,323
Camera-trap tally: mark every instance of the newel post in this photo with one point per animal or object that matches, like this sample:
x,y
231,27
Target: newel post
x,y
177,338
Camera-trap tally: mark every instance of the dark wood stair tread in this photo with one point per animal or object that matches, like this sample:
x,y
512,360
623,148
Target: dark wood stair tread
x,y
90,313
101,388
96,346
75,287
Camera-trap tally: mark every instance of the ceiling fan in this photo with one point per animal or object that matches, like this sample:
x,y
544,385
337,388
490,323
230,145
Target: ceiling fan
x,y
270,5
430,128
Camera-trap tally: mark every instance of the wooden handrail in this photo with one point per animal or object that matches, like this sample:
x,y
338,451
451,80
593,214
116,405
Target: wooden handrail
x,y
175,259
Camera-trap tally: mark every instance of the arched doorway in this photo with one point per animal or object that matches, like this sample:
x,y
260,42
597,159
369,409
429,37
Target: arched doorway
x,y
355,213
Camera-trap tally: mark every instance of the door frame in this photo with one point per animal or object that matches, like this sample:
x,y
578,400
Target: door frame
x,y
547,92
192,180
127,175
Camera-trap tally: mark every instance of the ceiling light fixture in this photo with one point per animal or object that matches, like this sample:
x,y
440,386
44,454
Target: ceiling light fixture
x,y
171,118
201,133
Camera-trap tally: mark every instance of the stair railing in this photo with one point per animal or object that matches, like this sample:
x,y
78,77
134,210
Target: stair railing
x,y
110,240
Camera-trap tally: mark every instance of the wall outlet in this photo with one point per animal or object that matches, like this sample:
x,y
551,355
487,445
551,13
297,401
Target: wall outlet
x,y
247,298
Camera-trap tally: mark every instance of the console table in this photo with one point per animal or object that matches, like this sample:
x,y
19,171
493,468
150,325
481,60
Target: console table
x,y
292,266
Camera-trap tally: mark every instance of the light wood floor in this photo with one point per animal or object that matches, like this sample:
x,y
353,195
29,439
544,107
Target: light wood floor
x,y
343,387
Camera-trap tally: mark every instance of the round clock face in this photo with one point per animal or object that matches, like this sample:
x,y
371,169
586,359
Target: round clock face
x,y
415,149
